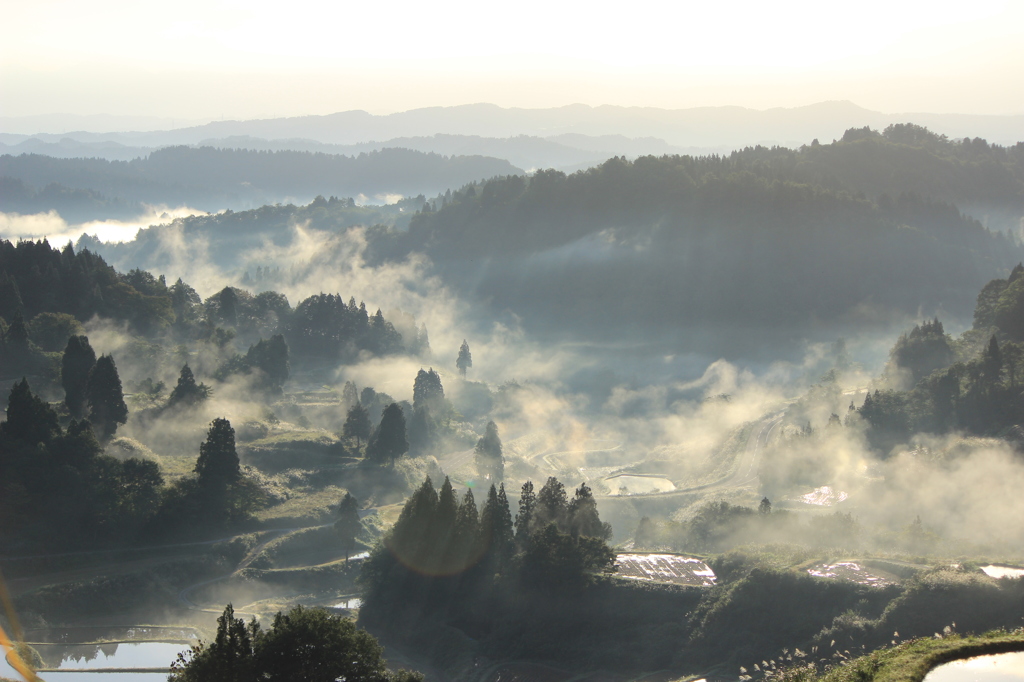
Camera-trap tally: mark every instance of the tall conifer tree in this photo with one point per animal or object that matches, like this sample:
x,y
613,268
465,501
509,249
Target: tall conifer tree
x,y
107,408
76,363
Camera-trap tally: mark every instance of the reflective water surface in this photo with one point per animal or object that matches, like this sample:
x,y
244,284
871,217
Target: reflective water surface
x,y
993,668
76,660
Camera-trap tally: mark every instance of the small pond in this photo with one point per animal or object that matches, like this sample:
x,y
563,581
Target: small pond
x,y
631,484
1003,571
77,662
350,603
994,668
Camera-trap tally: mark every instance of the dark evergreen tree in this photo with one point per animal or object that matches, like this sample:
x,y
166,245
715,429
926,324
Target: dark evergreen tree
x,y
465,359
410,538
270,358
16,338
349,395
466,546
389,441
29,418
357,424
314,646
765,507
227,307
17,354
10,297
76,363
306,644
231,656
525,515
496,529
187,392
556,560
489,462
991,365
552,504
421,429
217,466
886,413
923,350
443,529
583,519
348,524
186,304
107,408
382,337
427,390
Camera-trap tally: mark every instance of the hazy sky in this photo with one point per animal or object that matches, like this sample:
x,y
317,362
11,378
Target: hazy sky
x,y
203,59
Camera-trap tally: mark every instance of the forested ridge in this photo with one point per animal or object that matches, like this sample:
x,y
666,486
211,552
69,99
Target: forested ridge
x,y
56,451
213,179
762,236
905,161
47,293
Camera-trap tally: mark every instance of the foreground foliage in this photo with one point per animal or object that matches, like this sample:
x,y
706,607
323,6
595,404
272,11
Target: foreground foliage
x,y
306,645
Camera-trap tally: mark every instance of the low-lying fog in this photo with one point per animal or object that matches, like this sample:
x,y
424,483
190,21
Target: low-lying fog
x,y
597,409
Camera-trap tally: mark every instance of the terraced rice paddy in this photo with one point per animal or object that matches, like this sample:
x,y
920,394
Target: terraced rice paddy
x,y
824,496
633,484
997,571
665,568
992,668
848,570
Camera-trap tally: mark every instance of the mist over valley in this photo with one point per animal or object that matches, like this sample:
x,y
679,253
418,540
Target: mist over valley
x,y
489,392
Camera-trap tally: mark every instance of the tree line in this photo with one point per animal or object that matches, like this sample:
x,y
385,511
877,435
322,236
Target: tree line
x,y
47,294
972,384
768,237
305,644
59,488
210,178
447,557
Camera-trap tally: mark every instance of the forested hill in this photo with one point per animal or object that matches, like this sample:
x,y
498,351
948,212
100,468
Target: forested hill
x,y
763,236
905,160
213,179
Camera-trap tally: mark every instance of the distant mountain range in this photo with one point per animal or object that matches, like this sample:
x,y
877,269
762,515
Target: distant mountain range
x,y
564,137
566,152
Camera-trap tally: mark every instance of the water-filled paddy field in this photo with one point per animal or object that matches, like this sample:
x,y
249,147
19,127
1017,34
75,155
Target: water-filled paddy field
x,y
66,659
634,484
992,668
849,570
671,568
997,571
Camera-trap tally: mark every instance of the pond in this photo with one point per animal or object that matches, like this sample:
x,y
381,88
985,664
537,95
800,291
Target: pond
x,y
635,484
350,603
997,571
75,662
993,668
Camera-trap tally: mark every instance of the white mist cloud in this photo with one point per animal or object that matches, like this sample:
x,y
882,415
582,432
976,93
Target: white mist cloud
x,y
56,230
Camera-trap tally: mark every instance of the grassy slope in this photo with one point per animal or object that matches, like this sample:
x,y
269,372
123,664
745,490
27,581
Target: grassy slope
x,y
911,660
